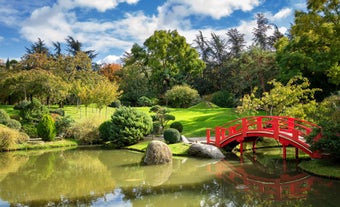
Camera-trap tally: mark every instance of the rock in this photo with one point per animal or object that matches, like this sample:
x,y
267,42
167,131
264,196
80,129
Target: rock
x,y
157,152
184,139
205,151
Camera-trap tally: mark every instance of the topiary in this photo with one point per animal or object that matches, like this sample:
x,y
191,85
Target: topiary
x,y
177,125
46,128
171,135
129,126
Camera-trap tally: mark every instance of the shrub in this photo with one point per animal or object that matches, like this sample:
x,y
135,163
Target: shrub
x,y
9,137
32,111
177,125
14,124
85,132
46,128
223,99
181,96
156,128
62,123
129,126
22,105
30,129
4,117
61,112
171,136
106,130
144,101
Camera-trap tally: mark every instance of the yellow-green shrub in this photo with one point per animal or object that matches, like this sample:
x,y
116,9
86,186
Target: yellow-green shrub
x,y
9,137
86,132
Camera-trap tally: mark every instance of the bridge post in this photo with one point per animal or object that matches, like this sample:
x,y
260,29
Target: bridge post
x,y
244,127
217,136
296,153
208,135
254,146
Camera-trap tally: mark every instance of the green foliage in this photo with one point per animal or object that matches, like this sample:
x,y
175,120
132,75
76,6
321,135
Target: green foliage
x,y
30,129
4,117
13,124
61,112
223,99
85,132
161,115
177,125
63,123
32,111
281,99
327,116
106,130
313,47
46,128
182,96
144,101
7,121
129,126
171,135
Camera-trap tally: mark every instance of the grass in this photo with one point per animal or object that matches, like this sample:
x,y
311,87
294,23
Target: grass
x,y
325,168
46,145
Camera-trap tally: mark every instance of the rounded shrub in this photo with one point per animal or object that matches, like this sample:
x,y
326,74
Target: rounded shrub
x,y
181,96
144,101
171,135
129,126
46,128
106,130
177,125
223,99
14,124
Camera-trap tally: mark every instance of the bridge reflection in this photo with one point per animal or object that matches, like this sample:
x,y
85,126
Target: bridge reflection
x,y
292,185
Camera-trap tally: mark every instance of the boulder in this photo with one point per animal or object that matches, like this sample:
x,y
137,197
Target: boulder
x,y
205,151
157,152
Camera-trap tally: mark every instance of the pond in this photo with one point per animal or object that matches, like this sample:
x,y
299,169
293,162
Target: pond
x,y
95,177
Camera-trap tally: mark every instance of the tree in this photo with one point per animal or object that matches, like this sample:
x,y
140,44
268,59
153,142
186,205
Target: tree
x,y
260,32
74,46
161,115
169,58
281,99
110,71
236,42
313,49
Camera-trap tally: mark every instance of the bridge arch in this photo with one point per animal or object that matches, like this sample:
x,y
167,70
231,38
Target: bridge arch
x,y
288,131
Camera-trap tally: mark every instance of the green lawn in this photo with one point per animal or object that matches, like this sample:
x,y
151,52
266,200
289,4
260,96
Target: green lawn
x,y
195,120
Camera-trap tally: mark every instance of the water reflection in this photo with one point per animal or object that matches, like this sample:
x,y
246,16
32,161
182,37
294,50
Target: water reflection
x,y
116,178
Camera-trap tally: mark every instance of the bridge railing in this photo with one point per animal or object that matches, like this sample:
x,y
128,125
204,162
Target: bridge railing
x,y
296,129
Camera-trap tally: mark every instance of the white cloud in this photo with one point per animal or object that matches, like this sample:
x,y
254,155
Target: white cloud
x,y
100,5
110,59
213,8
283,13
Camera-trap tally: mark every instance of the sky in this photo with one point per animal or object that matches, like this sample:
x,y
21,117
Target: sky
x,y
111,27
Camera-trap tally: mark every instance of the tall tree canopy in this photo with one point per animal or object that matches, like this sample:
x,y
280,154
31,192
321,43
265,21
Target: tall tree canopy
x,y
314,47
166,59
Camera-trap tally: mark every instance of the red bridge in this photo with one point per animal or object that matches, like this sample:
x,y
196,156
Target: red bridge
x,y
287,130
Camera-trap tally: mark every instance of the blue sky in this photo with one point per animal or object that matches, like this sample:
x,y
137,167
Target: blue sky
x,y
111,26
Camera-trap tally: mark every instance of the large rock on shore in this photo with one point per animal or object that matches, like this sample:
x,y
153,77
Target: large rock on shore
x,y
205,151
157,152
